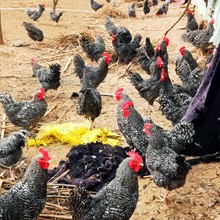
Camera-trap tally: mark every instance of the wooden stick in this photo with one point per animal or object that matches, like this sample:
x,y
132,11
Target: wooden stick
x,y
63,174
107,94
187,6
55,216
67,64
50,110
3,125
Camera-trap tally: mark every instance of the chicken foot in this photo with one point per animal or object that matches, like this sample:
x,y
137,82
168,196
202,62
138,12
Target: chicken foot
x,y
165,198
11,171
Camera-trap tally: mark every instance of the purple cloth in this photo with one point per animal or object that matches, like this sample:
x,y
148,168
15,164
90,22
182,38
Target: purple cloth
x,y
204,112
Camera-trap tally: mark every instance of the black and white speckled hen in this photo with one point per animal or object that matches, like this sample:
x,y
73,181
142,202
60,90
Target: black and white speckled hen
x,y
96,74
148,89
49,78
37,13
55,16
11,149
117,200
89,101
168,169
191,24
130,122
24,114
173,100
177,138
95,5
131,11
93,50
163,9
33,32
27,198
122,33
200,38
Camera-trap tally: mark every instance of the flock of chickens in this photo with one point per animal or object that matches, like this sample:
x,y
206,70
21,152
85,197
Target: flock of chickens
x,y
160,148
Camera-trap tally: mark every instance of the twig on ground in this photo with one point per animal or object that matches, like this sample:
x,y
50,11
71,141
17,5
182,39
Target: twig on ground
x,y
50,110
67,64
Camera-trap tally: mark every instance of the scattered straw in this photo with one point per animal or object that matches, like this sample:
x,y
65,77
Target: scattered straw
x,y
113,12
68,42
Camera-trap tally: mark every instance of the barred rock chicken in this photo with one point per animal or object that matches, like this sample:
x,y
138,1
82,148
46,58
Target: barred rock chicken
x,y
168,169
117,200
131,11
122,33
185,59
55,16
126,52
95,5
177,138
146,7
148,89
93,50
130,122
24,114
189,71
173,100
191,22
162,9
49,78
27,198
96,74
37,13
11,150
161,50
35,66
89,101
200,38
33,32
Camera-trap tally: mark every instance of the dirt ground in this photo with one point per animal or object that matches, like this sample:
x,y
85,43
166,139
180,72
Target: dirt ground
x,y
200,196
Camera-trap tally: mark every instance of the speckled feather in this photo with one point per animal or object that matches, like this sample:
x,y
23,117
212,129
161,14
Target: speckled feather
x,y
89,101
93,50
96,74
33,32
169,170
132,126
117,200
10,147
23,114
35,14
27,198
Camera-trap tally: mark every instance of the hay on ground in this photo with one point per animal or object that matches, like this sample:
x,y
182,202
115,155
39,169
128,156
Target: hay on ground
x,y
70,41
113,12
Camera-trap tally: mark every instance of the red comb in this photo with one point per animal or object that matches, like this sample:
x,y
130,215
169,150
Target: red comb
x,y
43,5
166,40
44,152
119,90
147,126
42,91
135,155
189,11
113,37
159,61
212,21
158,47
182,50
163,76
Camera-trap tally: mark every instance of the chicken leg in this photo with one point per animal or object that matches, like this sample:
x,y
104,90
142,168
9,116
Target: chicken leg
x,y
165,198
